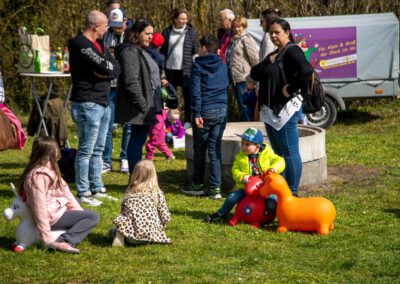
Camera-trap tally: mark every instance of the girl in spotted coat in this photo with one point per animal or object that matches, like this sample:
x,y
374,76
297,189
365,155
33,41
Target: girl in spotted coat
x,y
144,212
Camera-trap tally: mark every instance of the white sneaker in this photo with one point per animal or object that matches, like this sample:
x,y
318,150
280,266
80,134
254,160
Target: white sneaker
x,y
124,166
89,201
187,125
102,194
119,240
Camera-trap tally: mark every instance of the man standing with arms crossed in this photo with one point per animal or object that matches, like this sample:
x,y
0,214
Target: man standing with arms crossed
x,y
92,69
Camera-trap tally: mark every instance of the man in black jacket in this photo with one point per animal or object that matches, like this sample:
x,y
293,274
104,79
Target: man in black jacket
x,y
92,69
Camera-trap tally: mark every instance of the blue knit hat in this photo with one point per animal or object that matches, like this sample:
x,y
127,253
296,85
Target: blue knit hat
x,y
253,135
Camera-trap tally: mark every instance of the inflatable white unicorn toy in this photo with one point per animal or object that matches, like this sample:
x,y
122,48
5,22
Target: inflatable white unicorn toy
x,y
26,233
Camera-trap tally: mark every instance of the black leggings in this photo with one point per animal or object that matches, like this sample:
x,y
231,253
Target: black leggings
x,y
77,224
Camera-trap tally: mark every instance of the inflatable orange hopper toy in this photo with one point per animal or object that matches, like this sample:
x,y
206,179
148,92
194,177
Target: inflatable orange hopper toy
x,y
312,214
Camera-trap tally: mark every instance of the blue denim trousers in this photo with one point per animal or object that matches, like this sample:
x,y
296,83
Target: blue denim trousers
x,y
107,154
126,135
137,140
92,122
238,90
209,137
235,197
285,143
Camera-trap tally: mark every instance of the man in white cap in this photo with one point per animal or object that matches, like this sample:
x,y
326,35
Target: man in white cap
x,y
117,22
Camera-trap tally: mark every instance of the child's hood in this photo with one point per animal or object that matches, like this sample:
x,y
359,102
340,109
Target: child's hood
x,y
211,63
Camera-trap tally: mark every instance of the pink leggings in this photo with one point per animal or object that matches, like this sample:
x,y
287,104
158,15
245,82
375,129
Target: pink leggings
x,y
157,139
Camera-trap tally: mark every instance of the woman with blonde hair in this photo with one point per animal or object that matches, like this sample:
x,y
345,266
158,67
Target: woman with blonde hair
x,y
144,212
240,57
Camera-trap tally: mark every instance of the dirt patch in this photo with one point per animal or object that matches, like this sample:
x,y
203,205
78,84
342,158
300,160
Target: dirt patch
x,y
338,176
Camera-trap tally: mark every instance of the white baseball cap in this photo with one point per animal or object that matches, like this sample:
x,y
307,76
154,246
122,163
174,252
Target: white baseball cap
x,y
116,18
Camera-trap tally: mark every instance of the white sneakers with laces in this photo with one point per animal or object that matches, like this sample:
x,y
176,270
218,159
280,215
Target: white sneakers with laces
x,y
124,166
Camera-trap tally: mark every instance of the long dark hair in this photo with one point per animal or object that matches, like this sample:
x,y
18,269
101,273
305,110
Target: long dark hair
x,y
138,27
285,26
44,150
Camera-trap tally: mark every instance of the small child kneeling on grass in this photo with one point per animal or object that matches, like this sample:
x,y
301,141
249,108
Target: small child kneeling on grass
x,y
144,211
254,158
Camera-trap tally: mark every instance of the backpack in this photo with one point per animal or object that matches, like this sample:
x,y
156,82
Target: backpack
x,y
314,99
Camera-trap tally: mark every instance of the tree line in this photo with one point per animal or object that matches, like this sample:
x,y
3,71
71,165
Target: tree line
x,y
64,19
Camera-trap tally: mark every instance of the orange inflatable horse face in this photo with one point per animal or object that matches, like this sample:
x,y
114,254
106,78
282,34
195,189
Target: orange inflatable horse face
x,y
273,184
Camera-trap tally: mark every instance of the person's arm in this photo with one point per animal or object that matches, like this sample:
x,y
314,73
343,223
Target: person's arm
x,y
257,72
72,204
36,194
195,90
251,50
130,67
195,50
295,60
85,50
117,68
237,174
163,211
180,129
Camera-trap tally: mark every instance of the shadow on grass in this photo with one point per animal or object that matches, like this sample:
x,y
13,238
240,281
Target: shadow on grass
x,y
394,211
101,240
5,243
354,116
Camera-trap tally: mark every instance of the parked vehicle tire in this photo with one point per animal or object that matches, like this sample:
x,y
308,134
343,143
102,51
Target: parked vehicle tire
x,y
326,117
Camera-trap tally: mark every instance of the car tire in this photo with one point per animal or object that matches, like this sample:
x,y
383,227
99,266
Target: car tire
x,y
326,117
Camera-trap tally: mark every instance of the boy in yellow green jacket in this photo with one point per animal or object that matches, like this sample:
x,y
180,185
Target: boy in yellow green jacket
x,y
254,158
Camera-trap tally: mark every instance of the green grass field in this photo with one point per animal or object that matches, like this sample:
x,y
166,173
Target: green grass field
x,y
363,149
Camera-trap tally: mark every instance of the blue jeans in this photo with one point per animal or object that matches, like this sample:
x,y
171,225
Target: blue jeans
x,y
235,197
285,143
92,121
209,137
238,91
126,135
107,154
135,146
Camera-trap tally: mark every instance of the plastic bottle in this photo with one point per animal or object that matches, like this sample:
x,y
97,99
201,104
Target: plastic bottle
x,y
59,60
37,61
66,60
53,61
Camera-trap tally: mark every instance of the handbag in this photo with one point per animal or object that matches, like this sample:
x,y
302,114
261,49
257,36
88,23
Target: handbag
x,y
12,135
29,44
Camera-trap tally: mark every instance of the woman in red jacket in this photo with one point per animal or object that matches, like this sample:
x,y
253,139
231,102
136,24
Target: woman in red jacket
x,y
51,202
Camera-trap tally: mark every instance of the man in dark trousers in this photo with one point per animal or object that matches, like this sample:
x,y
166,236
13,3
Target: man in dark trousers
x,y
92,69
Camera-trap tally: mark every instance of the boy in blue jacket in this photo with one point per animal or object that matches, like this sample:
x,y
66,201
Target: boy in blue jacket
x,y
209,107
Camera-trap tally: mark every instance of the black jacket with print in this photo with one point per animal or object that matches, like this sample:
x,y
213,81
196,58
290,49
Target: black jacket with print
x,y
91,71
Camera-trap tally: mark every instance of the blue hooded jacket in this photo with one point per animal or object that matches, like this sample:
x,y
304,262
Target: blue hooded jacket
x,y
209,84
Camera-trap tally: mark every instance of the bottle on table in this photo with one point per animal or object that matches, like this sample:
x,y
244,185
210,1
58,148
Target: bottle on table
x,y
59,63
37,61
66,60
53,61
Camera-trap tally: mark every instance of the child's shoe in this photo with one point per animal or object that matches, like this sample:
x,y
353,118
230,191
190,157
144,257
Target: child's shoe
x,y
214,193
63,246
193,189
119,240
213,217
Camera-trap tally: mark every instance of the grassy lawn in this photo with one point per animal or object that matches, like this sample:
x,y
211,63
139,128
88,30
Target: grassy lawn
x,y
363,150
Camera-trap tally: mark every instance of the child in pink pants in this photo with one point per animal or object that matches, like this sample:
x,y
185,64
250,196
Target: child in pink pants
x,y
157,138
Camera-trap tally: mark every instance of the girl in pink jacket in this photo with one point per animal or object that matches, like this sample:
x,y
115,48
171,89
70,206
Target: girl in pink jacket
x,y
51,202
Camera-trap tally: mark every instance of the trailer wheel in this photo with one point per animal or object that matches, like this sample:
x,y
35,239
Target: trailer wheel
x,y
326,117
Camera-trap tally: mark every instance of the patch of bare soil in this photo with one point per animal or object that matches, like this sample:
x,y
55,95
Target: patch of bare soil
x,y
338,176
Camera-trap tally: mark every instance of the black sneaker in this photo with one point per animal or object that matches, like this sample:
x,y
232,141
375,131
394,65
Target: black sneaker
x,y
193,189
213,218
214,193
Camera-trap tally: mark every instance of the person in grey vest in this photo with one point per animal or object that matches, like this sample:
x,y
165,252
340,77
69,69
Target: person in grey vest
x,y
114,36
